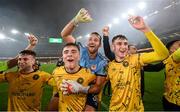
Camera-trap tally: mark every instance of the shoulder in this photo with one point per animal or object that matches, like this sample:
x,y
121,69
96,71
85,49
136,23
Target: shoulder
x,y
86,71
135,56
102,58
112,63
57,69
10,75
80,45
42,73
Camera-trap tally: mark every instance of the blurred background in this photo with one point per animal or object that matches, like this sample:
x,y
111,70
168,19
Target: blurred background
x,y
46,19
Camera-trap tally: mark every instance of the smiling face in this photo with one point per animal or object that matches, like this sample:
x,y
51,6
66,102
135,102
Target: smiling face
x,y
25,62
132,49
71,56
120,47
94,42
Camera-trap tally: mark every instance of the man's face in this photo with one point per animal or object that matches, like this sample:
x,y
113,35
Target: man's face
x,y
93,43
71,56
25,62
132,50
120,48
174,47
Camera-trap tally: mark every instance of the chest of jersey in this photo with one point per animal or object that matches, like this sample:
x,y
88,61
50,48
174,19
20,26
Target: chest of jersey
x,y
125,84
26,85
73,102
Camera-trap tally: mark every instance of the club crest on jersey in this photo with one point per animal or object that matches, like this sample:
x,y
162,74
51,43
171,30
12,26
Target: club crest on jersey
x,y
80,80
125,63
36,77
93,67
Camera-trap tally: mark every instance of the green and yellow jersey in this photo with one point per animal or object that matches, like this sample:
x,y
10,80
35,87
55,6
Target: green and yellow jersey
x,y
73,102
125,76
3,66
25,90
172,81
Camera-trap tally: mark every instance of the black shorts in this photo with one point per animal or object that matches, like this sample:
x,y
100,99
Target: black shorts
x,y
168,106
92,100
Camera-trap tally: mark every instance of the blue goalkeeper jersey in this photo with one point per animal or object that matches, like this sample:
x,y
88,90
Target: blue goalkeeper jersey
x,y
97,65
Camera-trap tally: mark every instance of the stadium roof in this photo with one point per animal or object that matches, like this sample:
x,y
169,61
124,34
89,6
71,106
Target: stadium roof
x,y
46,18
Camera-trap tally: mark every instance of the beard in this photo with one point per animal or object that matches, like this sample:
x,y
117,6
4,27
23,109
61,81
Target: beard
x,y
92,50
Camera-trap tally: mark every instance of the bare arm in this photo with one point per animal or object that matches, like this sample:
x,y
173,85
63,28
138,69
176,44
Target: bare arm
x,y
53,104
96,88
82,16
67,32
32,44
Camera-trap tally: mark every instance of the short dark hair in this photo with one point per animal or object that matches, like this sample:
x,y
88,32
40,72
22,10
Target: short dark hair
x,y
72,44
98,35
131,45
28,52
169,44
119,37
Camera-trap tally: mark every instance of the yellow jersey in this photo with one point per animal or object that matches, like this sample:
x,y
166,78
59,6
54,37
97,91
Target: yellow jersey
x,y
25,90
172,81
73,102
125,83
125,76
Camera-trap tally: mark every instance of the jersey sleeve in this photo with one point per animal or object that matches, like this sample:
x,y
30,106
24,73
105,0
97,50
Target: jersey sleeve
x,y
160,51
82,48
6,77
48,78
107,50
2,77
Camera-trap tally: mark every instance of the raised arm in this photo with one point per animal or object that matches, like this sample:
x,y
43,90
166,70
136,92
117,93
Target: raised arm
x,y
107,50
82,16
160,51
32,44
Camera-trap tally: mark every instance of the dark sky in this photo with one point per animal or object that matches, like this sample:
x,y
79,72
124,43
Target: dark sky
x,y
46,18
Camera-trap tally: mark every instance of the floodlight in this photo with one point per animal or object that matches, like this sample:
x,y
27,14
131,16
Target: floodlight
x,y
14,31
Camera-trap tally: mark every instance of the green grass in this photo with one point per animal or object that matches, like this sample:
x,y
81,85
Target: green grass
x,y
154,83
152,98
